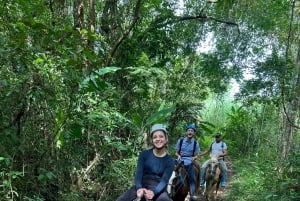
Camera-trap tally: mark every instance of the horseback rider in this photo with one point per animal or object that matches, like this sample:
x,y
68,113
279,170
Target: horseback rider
x,y
219,150
187,150
154,169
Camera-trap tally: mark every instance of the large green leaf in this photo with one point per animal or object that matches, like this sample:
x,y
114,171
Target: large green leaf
x,y
94,82
105,70
160,116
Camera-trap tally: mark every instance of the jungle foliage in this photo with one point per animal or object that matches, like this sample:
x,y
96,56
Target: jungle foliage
x,y
81,82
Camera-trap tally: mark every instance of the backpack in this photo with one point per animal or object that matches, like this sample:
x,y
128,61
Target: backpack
x,y
194,148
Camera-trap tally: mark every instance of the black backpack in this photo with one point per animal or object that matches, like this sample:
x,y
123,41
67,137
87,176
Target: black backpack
x,y
180,144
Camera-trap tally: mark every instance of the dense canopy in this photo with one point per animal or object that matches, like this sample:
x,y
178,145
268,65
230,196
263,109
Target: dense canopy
x,y
82,81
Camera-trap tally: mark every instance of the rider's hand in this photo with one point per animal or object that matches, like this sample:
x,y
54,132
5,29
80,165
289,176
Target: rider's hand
x,y
149,194
140,192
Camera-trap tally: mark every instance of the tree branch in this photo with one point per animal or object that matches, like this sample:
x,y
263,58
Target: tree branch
x,y
286,113
16,119
136,16
208,18
176,19
290,30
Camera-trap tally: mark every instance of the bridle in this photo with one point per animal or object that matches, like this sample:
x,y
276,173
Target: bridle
x,y
212,169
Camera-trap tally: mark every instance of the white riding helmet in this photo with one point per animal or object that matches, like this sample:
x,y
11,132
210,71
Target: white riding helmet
x,y
157,127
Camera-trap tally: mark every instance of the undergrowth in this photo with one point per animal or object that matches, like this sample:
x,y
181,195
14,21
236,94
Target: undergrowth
x,y
259,179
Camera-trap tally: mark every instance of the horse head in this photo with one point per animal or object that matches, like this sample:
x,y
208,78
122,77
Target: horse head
x,y
213,167
178,164
179,184
213,172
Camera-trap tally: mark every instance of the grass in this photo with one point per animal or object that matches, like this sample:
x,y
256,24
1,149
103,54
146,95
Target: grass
x,y
259,180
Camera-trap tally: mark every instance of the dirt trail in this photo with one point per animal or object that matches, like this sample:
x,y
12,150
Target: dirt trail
x,y
230,173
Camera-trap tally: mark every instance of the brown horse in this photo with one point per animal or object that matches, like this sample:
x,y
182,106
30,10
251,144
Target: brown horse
x,y
212,179
180,186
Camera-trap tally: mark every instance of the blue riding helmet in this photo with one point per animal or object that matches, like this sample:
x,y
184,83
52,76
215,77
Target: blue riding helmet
x,y
191,126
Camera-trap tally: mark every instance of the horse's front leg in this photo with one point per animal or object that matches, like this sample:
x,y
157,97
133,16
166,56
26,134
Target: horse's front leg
x,y
208,187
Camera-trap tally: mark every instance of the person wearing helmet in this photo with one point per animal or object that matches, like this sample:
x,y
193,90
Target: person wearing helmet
x,y
187,150
218,149
154,169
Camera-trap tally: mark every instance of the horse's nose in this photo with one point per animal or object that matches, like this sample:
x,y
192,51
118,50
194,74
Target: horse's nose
x,y
212,171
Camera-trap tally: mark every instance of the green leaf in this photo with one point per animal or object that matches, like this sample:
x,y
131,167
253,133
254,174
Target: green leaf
x,y
50,175
41,177
76,130
106,70
137,119
160,115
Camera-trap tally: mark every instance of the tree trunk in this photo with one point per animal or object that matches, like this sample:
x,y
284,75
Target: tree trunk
x,y
91,22
291,111
78,14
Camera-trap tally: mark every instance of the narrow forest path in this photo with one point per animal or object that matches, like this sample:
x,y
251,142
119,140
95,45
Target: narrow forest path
x,y
230,173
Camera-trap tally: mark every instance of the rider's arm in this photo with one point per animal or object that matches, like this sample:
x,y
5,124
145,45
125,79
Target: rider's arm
x,y
168,169
139,170
223,154
204,153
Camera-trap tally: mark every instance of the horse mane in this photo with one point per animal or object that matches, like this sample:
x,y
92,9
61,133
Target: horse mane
x,y
214,159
